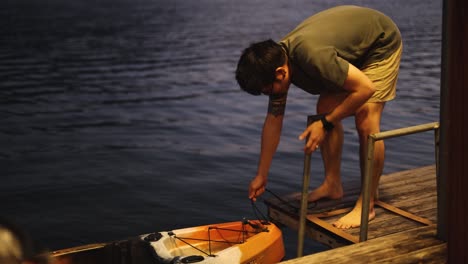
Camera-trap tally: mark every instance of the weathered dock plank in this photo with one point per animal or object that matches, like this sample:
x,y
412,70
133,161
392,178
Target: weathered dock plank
x,y
418,245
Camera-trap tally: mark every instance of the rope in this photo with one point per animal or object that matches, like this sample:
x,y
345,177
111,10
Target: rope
x,y
264,220
296,209
209,241
243,231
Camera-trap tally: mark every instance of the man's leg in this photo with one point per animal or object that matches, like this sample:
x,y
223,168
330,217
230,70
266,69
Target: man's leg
x,y
331,150
367,120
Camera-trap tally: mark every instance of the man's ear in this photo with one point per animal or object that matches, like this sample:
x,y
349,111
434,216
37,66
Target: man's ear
x,y
280,73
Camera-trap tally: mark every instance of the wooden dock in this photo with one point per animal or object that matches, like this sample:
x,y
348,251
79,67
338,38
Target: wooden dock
x,y
404,227
417,245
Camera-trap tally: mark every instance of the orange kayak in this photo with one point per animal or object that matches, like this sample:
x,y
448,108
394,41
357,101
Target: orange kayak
x,y
249,242
232,242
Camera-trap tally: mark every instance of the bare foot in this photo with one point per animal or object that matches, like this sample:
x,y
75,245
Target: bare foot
x,y
353,219
326,191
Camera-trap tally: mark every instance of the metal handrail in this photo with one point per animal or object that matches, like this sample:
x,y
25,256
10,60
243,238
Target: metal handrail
x,y
367,175
305,188
370,160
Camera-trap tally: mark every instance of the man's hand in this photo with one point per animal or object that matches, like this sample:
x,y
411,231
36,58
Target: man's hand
x,y
316,134
257,187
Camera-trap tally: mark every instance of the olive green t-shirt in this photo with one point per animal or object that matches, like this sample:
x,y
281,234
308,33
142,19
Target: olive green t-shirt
x,y
320,48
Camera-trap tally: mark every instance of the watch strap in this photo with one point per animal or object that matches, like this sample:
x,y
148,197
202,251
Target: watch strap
x,y
326,124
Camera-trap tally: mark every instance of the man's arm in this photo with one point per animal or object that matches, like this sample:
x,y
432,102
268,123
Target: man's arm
x,y
360,88
270,139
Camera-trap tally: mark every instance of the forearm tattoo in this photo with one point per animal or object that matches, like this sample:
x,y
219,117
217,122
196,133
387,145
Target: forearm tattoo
x,y
277,104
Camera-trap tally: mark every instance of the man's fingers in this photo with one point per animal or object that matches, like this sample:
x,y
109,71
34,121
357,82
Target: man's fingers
x,y
260,191
304,134
311,146
253,194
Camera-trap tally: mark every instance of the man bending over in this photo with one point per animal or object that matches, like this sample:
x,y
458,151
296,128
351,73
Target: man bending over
x,y
350,57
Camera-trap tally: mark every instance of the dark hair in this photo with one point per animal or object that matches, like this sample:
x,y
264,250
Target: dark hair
x,y
257,65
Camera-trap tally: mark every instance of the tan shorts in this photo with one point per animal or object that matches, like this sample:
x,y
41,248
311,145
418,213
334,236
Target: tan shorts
x,y
384,75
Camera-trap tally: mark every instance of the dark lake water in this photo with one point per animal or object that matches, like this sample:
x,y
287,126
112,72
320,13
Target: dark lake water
x,y
122,117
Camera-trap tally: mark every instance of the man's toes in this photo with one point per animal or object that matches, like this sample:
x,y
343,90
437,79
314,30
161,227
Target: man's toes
x,y
344,225
338,224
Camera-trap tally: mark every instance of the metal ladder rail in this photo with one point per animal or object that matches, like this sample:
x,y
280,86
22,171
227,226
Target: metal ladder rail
x,y
367,176
370,160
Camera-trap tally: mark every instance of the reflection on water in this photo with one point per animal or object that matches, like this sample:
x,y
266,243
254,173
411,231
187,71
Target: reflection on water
x,y
123,117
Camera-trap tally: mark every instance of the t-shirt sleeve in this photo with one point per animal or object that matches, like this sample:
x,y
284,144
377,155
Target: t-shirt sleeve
x,y
325,64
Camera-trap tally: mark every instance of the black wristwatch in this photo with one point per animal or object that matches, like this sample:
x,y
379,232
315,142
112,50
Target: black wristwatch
x,y
326,125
